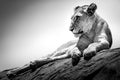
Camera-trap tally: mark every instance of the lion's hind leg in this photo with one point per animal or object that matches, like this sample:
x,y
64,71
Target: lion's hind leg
x,y
14,72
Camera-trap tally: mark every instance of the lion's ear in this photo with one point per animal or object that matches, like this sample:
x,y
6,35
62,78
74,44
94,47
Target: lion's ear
x,y
91,9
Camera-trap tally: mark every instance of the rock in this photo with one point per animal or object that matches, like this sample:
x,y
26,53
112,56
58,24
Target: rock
x,y
104,66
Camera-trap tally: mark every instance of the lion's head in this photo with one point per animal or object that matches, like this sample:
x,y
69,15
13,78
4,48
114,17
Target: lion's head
x,y
83,19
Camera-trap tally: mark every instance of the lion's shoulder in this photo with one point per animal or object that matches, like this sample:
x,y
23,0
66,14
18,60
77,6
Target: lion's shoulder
x,y
102,27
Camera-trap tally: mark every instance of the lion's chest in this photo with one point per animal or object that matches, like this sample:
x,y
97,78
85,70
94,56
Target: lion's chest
x,y
85,40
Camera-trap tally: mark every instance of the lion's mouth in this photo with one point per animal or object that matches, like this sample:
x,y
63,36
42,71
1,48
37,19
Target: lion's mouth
x,y
75,25
79,32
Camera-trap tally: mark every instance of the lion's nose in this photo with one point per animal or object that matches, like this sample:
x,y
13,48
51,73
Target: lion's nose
x,y
71,29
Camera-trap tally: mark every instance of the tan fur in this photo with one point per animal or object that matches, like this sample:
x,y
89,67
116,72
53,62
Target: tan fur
x,y
96,34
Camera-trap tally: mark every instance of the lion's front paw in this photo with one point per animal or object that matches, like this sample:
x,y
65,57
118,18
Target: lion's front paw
x,y
75,55
89,52
75,51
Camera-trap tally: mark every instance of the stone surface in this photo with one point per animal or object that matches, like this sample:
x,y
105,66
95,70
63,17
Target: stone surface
x,y
104,66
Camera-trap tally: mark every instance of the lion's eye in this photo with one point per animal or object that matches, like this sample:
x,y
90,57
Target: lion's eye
x,y
76,18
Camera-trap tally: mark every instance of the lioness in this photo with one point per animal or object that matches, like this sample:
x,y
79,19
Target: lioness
x,y
93,32
94,35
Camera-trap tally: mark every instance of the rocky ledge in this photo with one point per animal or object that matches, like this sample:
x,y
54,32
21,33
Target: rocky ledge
x,y
104,66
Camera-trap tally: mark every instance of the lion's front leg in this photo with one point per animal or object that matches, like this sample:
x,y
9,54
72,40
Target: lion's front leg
x,y
76,55
90,51
93,48
72,52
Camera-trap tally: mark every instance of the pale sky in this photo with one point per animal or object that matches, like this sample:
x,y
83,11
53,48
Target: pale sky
x,y
30,29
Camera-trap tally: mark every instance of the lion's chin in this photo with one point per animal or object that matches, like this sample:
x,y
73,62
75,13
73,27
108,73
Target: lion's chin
x,y
77,35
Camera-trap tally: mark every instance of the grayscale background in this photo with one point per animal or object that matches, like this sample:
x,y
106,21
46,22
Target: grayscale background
x,y
30,29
